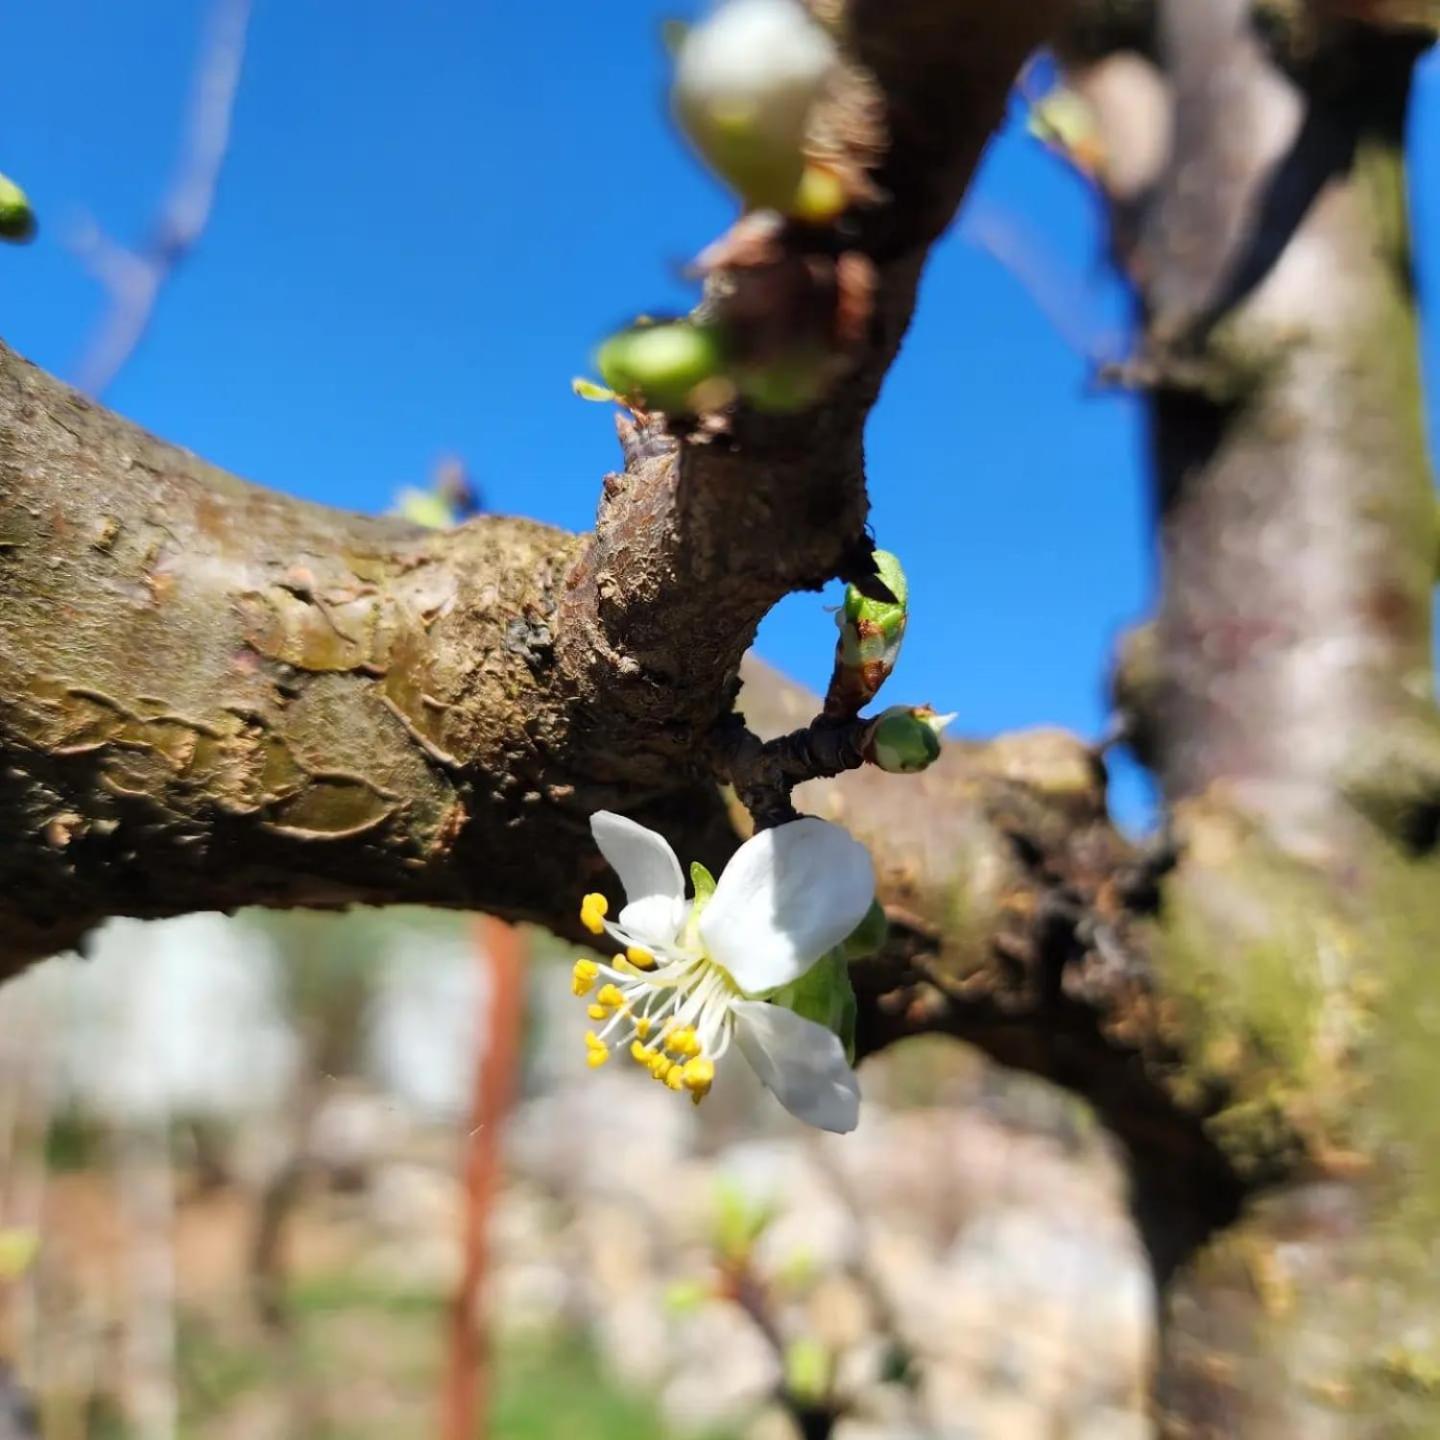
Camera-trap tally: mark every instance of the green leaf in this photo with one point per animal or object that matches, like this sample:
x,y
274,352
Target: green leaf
x,y
589,390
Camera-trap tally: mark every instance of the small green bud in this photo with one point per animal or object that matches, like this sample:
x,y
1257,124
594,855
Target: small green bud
x,y
660,367
17,219
739,1220
872,627
684,1297
424,507
746,78
905,739
808,1368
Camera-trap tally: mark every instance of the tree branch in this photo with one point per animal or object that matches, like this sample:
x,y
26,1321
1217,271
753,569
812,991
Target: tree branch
x,y
135,278
213,696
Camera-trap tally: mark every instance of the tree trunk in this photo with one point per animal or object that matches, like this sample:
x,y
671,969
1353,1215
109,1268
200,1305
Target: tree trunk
x,y
1284,695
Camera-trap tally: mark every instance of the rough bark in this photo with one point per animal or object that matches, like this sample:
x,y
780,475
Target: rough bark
x,y
210,695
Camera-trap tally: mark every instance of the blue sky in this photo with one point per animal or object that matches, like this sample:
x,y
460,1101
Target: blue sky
x,y
432,211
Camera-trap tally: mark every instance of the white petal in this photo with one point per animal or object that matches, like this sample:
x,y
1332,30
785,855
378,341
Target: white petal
x,y
787,896
801,1062
650,873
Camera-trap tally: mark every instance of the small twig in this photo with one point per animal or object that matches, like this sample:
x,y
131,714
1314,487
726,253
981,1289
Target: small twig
x,y
134,278
765,772
1042,275
815,1419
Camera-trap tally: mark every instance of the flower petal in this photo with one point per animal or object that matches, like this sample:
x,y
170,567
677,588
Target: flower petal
x,y
787,896
803,1064
650,873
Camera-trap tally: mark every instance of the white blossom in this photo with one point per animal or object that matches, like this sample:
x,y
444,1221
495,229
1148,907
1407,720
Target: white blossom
x,y
692,979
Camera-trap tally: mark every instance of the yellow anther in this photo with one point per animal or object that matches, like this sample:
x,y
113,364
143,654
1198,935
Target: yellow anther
x,y
597,1012
640,1053
643,1026
684,1042
660,1067
675,1078
640,958
593,909
699,1075
594,1042
583,976
596,1058
611,996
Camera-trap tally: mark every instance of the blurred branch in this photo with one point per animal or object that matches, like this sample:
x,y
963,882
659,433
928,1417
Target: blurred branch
x,y
133,279
1056,291
467,1399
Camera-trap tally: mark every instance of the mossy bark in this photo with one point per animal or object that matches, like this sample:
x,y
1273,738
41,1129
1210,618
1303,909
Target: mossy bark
x,y
1288,707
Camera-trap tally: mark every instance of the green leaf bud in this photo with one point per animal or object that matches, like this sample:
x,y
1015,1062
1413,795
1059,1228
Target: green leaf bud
x,y
872,622
425,507
808,1369
660,367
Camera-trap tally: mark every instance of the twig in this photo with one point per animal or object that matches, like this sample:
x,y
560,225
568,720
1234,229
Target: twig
x,y
765,772
1042,275
134,278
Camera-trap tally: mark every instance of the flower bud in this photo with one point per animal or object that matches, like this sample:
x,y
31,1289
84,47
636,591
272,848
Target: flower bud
x,y
660,367
905,739
872,628
745,80
17,219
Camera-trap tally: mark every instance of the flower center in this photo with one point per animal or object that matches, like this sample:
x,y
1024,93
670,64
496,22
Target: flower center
x,y
670,1009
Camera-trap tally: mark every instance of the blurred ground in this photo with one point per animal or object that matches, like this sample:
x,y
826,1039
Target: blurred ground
x,y
230,1208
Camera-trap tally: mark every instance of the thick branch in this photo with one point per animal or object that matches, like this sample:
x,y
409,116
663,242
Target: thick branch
x,y
213,696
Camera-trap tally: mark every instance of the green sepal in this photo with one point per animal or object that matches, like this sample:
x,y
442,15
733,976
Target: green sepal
x,y
869,936
702,882
825,995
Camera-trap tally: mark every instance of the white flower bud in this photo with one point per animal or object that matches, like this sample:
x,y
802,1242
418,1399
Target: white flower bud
x,y
745,79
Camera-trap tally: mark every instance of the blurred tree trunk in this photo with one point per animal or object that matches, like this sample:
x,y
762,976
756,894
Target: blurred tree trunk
x,y
1284,695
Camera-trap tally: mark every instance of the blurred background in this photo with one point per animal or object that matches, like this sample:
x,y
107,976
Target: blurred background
x,y
245,1164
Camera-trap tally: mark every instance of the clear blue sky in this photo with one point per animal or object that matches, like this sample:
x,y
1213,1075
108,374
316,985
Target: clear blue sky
x,y
432,211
